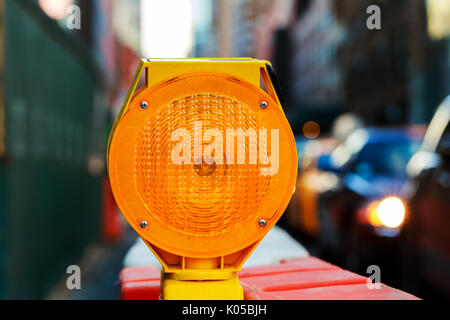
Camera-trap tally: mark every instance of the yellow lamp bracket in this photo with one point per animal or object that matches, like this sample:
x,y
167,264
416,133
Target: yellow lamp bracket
x,y
185,276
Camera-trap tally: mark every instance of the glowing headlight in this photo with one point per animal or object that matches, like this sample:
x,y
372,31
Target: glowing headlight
x,y
391,212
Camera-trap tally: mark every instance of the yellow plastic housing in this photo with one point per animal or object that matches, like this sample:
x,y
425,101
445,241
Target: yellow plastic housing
x,y
229,289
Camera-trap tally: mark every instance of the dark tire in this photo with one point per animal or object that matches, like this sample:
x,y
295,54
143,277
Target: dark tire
x,y
410,278
352,254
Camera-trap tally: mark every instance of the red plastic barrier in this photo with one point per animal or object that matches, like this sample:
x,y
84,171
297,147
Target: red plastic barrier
x,y
112,223
294,279
140,283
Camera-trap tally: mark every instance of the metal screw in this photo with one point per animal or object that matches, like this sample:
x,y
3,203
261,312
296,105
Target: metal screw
x,y
263,105
144,105
262,222
143,224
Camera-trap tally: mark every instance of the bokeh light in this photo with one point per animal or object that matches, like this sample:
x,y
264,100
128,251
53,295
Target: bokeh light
x,y
391,212
311,129
55,9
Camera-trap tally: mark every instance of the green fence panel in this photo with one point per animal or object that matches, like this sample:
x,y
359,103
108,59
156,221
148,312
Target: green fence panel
x,y
50,202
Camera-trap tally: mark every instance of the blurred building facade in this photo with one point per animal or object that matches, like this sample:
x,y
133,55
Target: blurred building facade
x,y
315,82
396,74
300,38
316,38
227,28
329,62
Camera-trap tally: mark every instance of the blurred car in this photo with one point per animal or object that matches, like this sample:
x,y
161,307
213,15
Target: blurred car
x,y
361,216
426,234
302,212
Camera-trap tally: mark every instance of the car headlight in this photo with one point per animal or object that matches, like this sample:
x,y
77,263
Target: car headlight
x,y
391,212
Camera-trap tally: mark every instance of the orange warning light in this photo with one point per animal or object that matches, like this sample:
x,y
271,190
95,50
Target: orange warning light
x,y
202,162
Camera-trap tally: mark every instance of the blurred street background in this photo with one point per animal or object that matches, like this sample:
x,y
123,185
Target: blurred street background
x,y
366,102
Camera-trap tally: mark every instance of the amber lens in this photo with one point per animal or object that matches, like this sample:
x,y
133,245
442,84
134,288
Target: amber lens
x,y
212,207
